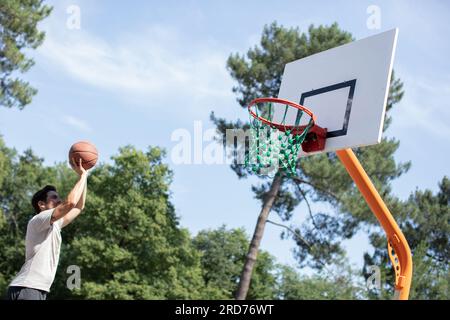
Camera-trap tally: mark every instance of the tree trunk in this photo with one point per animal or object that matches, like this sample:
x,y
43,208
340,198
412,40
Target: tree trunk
x,y
244,282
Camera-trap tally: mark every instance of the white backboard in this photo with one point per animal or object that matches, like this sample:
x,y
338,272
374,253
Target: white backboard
x,y
345,87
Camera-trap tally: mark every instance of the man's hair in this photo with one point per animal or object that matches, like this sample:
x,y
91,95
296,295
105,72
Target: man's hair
x,y
41,195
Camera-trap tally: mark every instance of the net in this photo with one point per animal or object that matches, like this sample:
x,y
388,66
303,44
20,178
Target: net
x,y
273,148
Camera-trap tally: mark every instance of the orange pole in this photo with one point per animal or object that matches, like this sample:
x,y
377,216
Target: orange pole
x,y
401,259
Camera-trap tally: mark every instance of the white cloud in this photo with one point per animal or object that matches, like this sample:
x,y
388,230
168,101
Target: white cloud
x,y
76,123
154,62
425,106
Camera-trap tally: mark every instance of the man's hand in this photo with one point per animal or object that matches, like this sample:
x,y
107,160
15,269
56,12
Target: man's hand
x,y
78,168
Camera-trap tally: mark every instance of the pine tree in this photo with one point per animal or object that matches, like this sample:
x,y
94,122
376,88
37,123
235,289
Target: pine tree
x,y
18,32
425,221
320,178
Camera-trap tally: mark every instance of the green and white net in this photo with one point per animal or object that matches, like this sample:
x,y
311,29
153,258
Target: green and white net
x,y
274,149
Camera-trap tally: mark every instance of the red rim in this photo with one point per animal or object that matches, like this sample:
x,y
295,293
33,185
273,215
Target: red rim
x,y
280,127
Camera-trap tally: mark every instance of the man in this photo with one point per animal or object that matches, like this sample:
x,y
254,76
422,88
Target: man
x,y
43,238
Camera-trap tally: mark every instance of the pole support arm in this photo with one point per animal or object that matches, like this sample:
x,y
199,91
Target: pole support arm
x,y
399,251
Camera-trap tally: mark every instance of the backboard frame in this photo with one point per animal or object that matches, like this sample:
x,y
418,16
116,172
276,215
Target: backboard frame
x,y
346,88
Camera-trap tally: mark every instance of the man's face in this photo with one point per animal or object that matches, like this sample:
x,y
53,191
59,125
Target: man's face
x,y
53,200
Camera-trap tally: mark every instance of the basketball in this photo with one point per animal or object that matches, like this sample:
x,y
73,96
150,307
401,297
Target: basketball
x,y
85,151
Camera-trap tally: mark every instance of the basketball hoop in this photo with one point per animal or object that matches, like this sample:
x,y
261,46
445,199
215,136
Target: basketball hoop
x,y
275,144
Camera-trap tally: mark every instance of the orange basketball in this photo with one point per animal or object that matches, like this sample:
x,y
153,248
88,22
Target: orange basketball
x,y
86,151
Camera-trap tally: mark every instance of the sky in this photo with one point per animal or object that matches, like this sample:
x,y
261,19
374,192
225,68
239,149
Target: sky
x,y
136,72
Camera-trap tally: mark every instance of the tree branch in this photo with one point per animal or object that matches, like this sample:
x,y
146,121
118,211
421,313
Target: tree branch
x,y
296,234
309,206
293,231
298,180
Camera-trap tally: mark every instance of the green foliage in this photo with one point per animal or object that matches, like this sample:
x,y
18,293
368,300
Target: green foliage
x,y
425,221
128,242
129,245
20,177
223,255
18,32
339,286
431,277
428,218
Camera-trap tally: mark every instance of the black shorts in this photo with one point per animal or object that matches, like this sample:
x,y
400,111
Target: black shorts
x,y
23,293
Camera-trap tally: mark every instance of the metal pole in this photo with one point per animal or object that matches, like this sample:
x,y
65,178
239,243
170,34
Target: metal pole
x,y
396,239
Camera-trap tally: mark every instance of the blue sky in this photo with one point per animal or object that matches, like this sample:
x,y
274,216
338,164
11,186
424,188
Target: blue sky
x,y
138,70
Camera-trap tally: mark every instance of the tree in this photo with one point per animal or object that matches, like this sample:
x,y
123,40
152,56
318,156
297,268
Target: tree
x,y
222,255
128,243
342,284
320,178
20,177
425,221
18,32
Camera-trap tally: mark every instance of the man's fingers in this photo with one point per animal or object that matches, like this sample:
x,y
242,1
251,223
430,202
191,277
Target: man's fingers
x,y
76,165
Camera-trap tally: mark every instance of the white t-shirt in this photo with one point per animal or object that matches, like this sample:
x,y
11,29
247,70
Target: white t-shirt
x,y
43,243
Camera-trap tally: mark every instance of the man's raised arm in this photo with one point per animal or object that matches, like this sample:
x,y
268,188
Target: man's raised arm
x,y
74,197
68,218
